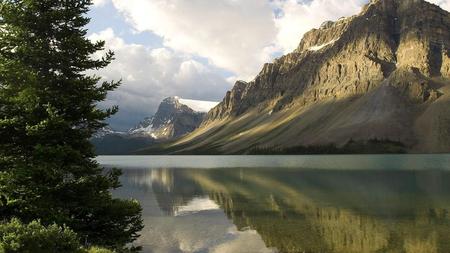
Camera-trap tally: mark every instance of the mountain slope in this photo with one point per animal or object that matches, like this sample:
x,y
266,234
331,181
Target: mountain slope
x,y
380,75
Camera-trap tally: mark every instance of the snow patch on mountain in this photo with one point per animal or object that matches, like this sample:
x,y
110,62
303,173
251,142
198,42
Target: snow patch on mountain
x,y
144,126
319,47
106,131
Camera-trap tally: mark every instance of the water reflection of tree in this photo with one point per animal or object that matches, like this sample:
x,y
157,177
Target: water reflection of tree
x,y
325,211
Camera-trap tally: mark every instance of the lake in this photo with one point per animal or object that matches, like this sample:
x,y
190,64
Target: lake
x,y
315,204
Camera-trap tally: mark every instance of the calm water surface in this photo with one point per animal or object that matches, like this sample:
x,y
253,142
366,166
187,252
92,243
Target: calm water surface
x,y
315,204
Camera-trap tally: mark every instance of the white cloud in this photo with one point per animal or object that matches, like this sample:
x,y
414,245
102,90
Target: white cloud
x,y
445,4
233,34
238,35
149,75
98,3
298,18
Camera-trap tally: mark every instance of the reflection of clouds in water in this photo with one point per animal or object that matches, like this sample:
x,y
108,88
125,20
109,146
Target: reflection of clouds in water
x,y
192,224
197,205
243,242
205,231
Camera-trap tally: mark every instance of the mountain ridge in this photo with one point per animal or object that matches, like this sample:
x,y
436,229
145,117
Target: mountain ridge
x,y
380,75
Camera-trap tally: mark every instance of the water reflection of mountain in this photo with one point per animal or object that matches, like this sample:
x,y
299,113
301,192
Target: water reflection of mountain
x,y
323,211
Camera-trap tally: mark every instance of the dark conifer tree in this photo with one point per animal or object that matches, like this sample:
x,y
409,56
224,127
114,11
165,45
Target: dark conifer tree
x,y
48,112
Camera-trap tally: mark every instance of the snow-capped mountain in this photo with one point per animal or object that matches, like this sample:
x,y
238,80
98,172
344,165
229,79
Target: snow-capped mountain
x,y
144,126
175,117
107,130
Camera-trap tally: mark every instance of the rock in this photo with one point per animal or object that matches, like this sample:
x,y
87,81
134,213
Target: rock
x,y
173,119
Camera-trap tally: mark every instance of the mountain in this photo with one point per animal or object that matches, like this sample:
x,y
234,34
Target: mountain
x,y
107,130
378,81
174,118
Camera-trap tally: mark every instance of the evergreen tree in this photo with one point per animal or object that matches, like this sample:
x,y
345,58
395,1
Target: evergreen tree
x,y
48,112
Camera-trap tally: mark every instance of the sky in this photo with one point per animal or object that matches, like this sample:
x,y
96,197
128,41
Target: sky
x,y
197,49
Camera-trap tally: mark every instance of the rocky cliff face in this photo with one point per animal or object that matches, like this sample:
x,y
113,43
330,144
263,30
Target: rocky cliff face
x,y
380,74
389,41
173,119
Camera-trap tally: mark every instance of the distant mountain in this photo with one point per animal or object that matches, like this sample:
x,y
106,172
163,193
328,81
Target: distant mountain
x,y
175,117
374,82
107,131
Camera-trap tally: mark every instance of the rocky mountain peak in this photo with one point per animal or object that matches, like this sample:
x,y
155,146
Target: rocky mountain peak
x,y
168,111
351,56
173,118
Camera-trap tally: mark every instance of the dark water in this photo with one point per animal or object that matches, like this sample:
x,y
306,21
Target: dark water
x,y
316,204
